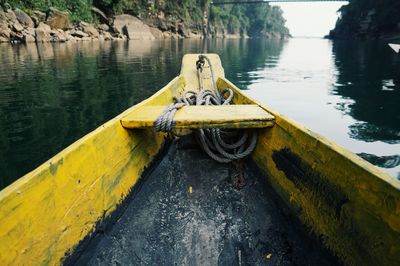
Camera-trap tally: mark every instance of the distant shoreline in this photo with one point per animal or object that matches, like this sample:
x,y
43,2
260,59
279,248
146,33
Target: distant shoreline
x,y
16,26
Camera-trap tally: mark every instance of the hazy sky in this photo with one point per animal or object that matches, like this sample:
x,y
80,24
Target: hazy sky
x,y
310,19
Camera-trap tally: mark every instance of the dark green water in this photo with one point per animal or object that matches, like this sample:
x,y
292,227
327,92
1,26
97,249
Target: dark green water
x,y
51,95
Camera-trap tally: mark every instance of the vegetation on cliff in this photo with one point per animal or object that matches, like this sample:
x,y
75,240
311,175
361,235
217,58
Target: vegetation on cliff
x,y
368,19
251,19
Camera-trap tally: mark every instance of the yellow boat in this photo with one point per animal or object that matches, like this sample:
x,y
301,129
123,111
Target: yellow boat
x,y
126,194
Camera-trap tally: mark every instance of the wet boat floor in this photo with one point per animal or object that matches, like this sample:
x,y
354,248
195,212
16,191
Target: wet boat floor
x,y
215,224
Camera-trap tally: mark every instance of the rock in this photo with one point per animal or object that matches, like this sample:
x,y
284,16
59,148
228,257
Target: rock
x,y
11,15
58,36
82,24
35,20
44,27
79,34
90,30
68,36
5,33
119,37
38,17
182,30
132,27
107,36
120,21
29,38
167,34
100,14
170,35
175,36
196,35
42,33
16,37
157,33
30,31
23,18
4,30
2,14
104,27
57,19
161,24
86,39
42,36
17,26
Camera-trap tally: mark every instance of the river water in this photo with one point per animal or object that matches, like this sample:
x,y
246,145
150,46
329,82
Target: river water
x,y
53,94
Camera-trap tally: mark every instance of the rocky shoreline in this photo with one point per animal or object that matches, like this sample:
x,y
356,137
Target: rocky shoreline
x,y
16,26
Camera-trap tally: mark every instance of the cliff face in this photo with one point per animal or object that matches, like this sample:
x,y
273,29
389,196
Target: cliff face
x,y
368,19
185,18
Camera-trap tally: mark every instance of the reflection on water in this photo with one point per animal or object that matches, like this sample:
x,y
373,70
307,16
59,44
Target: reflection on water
x,y
370,75
347,91
53,94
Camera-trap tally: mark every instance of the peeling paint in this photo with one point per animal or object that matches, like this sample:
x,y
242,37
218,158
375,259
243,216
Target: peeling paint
x,y
53,167
73,188
304,177
350,204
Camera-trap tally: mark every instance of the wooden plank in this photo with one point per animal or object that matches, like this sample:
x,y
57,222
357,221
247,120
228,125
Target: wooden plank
x,y
213,116
189,71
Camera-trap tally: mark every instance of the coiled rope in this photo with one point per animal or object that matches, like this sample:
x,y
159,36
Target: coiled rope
x,y
223,145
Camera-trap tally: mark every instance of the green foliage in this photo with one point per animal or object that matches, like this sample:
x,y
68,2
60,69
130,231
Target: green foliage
x,y
381,16
79,9
253,19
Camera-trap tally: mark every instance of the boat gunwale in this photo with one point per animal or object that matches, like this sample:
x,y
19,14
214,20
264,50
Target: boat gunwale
x,y
332,145
368,171
63,173
13,187
350,204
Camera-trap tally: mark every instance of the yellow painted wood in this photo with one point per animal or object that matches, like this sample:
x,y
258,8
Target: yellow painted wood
x,y
227,116
364,227
47,212
189,71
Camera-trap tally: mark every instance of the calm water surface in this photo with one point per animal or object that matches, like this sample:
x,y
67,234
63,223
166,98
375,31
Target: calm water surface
x,y
51,95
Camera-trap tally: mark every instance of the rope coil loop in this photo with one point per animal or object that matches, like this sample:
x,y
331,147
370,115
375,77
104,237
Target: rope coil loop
x,y
222,145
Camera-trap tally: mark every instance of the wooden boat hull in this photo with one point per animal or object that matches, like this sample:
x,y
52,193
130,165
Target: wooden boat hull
x,y
350,204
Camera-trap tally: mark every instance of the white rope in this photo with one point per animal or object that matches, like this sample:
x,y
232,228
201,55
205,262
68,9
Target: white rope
x,y
223,145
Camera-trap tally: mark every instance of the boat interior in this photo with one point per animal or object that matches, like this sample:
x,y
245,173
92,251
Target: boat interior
x,y
126,194
191,210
